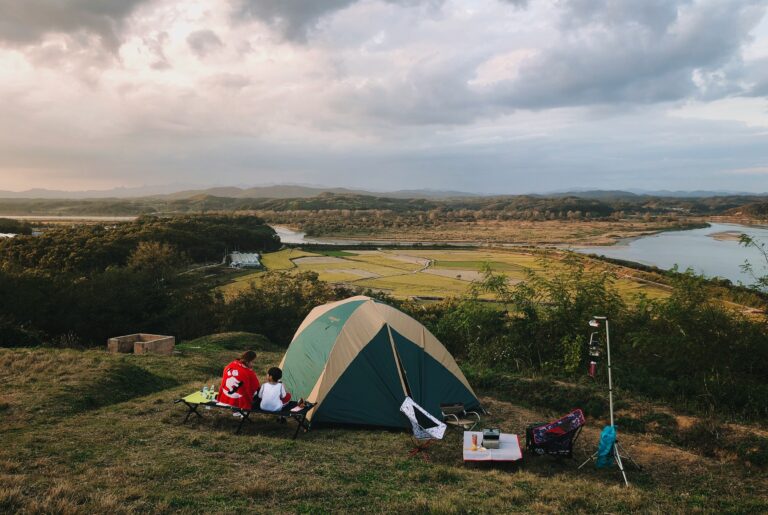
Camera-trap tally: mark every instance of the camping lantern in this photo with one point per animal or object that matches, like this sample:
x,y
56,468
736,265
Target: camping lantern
x,y
594,353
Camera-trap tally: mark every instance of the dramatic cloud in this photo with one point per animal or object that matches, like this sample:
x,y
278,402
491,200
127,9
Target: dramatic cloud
x,y
484,95
297,18
640,52
28,21
294,18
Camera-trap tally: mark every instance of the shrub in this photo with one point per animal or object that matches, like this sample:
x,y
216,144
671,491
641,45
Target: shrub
x,y
276,305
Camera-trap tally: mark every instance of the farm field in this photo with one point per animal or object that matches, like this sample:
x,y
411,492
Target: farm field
x,y
405,273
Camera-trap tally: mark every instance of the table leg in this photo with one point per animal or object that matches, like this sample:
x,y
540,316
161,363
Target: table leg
x,y
192,409
245,415
299,425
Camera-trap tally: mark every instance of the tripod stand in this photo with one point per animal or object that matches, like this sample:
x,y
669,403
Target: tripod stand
x,y
618,452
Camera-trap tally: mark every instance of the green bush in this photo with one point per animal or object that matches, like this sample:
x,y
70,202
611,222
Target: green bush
x,y
688,349
277,304
753,449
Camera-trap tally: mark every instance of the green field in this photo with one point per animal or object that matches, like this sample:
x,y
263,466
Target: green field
x,y
281,260
126,451
413,273
496,266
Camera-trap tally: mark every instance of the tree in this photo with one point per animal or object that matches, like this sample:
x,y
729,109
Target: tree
x,y
156,258
761,281
276,304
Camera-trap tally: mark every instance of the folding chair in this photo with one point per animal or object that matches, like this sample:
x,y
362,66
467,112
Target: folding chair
x,y
555,438
457,415
426,428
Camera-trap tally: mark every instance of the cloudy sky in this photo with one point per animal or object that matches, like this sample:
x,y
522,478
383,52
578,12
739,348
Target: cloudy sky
x,y
501,96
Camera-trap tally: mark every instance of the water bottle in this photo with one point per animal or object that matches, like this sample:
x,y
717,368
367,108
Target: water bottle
x,y
205,392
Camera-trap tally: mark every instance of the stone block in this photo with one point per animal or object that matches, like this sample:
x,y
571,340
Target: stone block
x,y
154,344
142,343
122,344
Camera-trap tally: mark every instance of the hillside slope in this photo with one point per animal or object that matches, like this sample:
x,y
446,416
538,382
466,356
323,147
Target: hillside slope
x,y
86,431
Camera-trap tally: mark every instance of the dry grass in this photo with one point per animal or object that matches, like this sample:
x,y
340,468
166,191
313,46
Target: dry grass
x,y
514,231
133,455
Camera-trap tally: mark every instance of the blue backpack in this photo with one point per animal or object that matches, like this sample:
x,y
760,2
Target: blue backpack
x,y
605,449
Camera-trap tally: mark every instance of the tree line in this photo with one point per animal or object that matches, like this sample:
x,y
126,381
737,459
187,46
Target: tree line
x,y
11,226
80,285
534,207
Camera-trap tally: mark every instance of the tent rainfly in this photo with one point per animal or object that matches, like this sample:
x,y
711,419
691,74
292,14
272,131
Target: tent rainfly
x,y
359,358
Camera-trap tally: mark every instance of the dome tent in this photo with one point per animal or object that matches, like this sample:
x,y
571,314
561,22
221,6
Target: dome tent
x,y
359,358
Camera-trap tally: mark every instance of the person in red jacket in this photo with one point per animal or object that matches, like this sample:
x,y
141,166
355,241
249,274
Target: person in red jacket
x,y
239,383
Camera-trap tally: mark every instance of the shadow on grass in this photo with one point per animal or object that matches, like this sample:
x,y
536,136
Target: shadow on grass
x,y
540,393
120,383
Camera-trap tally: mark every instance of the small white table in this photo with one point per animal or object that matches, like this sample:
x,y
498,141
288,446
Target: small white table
x,y
509,448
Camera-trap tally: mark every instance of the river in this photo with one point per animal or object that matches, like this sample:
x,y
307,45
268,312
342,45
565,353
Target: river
x,y
713,251
288,235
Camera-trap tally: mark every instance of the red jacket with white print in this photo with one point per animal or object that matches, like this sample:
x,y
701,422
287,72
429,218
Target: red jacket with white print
x,y
238,385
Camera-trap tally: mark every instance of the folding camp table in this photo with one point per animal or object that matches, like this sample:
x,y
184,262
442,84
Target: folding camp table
x,y
197,399
508,451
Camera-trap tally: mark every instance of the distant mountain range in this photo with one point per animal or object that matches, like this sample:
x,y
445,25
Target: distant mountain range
x,y
177,192
608,194
295,191
141,191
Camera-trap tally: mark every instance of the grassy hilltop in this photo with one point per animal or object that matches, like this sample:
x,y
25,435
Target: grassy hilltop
x,y
87,431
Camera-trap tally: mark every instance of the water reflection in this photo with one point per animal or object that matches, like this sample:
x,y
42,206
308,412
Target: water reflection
x,y
713,251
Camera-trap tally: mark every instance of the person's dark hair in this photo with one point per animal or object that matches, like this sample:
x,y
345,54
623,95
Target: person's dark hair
x,y
247,356
276,373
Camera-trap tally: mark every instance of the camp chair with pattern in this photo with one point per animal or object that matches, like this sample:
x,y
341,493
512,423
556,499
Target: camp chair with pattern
x,y
555,438
426,428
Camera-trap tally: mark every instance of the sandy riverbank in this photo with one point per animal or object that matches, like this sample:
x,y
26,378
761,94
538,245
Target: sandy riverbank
x,y
726,235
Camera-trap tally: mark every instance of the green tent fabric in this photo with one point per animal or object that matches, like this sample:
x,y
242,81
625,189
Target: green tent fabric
x,y
358,359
